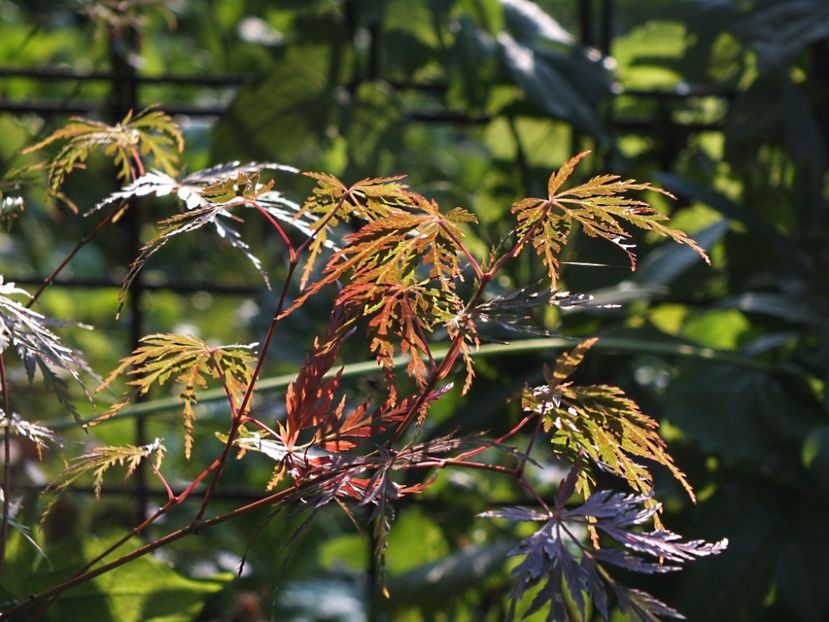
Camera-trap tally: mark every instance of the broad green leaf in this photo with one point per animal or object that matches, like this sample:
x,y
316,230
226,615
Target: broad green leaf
x,y
145,590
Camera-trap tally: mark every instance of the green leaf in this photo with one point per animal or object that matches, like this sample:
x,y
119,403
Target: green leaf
x,y
431,584
786,248
801,569
150,132
742,416
287,112
544,84
600,422
665,264
190,362
144,590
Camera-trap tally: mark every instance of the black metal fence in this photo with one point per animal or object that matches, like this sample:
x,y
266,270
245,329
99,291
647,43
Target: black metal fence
x,y
596,27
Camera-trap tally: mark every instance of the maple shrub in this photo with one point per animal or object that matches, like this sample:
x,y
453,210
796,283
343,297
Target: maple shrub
x,y
402,280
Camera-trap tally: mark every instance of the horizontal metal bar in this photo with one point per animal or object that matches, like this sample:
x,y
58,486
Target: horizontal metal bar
x,y
211,288
50,107
443,116
680,92
633,126
231,493
53,73
450,116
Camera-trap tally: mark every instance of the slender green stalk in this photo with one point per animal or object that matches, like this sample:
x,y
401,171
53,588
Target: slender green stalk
x,y
607,344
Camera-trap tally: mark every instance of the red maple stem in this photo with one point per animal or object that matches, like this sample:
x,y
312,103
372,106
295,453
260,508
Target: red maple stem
x,y
494,443
292,252
136,157
449,360
170,537
103,224
236,419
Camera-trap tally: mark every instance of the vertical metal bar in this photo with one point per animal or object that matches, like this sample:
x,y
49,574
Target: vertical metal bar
x,y
586,22
350,18
585,10
374,31
606,27
123,46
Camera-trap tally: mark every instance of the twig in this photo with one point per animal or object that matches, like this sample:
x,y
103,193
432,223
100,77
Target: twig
x,y
103,224
236,421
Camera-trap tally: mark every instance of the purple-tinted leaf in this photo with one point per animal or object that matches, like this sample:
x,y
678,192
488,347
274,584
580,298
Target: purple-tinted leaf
x,y
511,311
642,607
574,577
623,509
625,560
547,559
516,513
594,586
549,593
663,544
568,485
540,555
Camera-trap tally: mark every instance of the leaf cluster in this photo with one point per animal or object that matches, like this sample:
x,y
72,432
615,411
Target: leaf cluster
x,y
41,436
99,460
573,575
400,268
601,423
38,347
213,197
149,133
600,206
190,362
399,275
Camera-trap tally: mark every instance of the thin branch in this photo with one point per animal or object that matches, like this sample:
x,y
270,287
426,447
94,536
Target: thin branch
x,y
497,441
476,266
103,224
195,526
523,461
292,253
464,464
236,421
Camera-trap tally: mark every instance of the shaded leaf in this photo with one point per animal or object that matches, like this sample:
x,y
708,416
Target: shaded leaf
x,y
567,569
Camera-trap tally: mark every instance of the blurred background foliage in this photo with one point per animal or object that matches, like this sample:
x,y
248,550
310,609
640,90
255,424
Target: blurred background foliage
x,y
723,102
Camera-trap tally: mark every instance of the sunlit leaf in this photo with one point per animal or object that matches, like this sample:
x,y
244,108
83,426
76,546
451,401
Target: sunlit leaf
x,y
190,362
38,347
149,133
99,460
601,423
602,208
